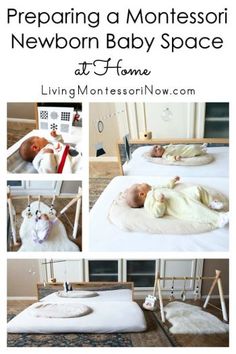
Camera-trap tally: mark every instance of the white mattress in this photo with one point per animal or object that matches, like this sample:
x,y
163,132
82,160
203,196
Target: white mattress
x,y
106,237
139,165
115,313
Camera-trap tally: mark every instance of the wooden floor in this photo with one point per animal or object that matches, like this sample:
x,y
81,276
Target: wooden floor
x,y
17,130
103,169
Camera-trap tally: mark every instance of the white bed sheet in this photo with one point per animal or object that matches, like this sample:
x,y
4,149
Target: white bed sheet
x,y
139,165
106,317
106,237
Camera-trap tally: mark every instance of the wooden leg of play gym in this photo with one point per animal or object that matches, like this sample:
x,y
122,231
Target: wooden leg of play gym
x,y
77,214
13,228
160,299
222,300
218,272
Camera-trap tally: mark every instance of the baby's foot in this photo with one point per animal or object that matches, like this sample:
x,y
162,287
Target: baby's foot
x,y
216,205
223,219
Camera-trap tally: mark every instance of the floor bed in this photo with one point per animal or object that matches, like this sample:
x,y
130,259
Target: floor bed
x,y
105,236
113,310
139,165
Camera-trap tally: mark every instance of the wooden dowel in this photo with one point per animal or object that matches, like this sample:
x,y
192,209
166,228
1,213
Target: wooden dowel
x,y
215,307
73,201
64,196
187,278
222,300
77,214
155,285
178,141
11,215
211,288
160,299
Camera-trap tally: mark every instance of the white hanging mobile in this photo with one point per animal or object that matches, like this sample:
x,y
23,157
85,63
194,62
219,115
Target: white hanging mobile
x,y
183,294
172,297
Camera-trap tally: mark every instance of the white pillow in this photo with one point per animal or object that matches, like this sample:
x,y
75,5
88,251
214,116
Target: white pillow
x,y
76,294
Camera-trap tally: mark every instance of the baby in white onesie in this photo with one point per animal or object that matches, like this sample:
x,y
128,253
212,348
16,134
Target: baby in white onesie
x,y
176,152
49,157
191,203
42,229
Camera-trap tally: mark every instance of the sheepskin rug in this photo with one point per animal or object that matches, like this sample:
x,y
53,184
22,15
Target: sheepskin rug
x,y
192,319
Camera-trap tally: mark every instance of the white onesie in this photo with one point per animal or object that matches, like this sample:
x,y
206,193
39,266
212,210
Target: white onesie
x,y
45,162
41,230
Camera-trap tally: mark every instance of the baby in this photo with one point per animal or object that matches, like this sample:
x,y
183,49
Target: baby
x,y
176,152
49,157
42,229
191,203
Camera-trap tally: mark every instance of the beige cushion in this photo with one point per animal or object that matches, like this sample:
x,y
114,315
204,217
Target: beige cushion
x,y
52,310
77,294
132,219
187,161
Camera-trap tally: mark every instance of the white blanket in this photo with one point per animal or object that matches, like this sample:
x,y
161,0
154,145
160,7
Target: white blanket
x,y
219,167
190,319
105,237
57,240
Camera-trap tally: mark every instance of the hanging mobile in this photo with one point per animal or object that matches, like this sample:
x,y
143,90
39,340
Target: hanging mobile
x,y
28,213
52,211
172,298
196,291
183,294
38,212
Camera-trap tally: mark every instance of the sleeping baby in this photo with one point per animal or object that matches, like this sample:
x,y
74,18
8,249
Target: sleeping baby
x,y
176,152
42,229
47,157
191,203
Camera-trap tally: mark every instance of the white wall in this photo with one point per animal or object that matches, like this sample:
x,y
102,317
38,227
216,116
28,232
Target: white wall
x,y
22,277
164,120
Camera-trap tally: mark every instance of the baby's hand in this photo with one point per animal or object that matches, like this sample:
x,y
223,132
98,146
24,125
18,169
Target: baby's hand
x,y
162,198
177,158
48,151
177,178
53,133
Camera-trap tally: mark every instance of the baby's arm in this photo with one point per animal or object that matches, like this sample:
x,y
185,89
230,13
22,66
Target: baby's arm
x,y
155,204
48,163
171,158
48,151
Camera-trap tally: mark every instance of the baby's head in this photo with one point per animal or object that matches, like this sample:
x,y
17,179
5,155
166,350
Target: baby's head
x,y
136,195
157,151
44,217
31,146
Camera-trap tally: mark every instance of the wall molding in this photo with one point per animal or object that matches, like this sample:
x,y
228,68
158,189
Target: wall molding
x,y
21,298
21,120
103,159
